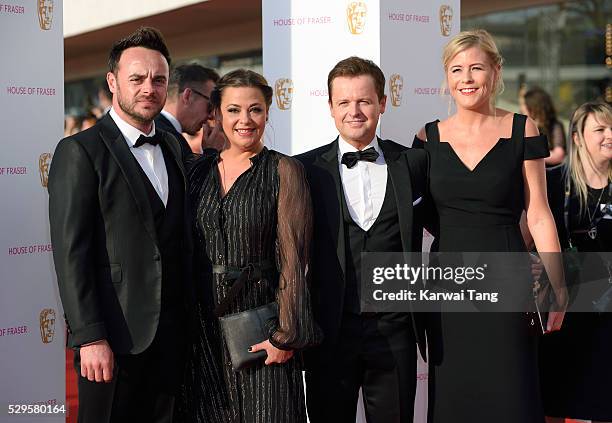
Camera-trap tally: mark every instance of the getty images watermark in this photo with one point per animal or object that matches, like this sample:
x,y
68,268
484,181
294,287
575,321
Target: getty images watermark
x,y
493,282
433,274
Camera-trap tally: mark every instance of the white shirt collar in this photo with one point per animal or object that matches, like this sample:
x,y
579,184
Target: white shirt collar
x,y
345,147
130,133
174,121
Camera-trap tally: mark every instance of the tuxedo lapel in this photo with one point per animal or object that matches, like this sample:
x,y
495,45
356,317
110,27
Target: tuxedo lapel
x,y
402,188
176,157
332,194
120,151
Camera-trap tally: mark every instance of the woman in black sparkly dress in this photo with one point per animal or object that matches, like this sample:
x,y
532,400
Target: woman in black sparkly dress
x,y
252,208
577,378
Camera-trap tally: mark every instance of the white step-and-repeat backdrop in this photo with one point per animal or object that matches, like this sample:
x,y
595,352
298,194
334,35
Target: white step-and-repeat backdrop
x,y
303,40
32,354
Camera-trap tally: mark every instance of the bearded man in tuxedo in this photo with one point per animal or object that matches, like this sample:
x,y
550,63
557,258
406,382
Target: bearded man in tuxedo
x,y
121,244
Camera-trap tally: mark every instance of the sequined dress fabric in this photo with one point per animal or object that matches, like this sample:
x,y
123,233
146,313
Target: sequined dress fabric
x,y
265,217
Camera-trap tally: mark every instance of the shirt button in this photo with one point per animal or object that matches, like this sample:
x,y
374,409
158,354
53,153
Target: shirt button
x,y
220,256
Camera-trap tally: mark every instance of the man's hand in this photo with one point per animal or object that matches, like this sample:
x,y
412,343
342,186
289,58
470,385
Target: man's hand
x,y
212,136
274,354
97,361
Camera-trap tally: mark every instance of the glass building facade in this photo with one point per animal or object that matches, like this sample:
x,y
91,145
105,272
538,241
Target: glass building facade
x,y
564,48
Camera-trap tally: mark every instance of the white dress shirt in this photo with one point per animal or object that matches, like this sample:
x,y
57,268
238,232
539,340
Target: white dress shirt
x,y
150,157
174,121
364,185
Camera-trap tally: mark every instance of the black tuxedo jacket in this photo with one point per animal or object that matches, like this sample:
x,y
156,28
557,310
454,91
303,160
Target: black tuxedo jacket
x,y
408,170
105,246
162,122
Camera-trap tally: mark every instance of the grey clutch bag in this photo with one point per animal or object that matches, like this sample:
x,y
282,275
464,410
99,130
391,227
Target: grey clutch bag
x,y
241,330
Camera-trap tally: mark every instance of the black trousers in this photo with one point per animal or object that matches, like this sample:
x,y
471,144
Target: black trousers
x,y
376,353
144,385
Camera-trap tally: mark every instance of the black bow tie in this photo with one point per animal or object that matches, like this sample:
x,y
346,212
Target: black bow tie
x,y
351,159
142,140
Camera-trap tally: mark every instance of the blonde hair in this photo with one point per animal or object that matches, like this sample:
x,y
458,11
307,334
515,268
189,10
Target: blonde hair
x,y
483,40
579,155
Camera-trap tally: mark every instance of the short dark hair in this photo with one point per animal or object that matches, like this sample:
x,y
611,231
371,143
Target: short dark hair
x,y
146,37
183,75
356,66
241,78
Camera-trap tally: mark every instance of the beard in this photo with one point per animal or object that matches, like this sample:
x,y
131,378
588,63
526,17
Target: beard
x,y
128,106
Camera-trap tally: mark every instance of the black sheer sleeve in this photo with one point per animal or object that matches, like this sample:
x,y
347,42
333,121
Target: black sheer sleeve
x,y
296,328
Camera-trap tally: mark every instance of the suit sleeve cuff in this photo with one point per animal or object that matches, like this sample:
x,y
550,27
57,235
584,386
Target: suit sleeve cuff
x,y
87,335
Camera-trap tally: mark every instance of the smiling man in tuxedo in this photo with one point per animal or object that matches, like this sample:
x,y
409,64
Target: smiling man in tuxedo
x,y
365,194
121,244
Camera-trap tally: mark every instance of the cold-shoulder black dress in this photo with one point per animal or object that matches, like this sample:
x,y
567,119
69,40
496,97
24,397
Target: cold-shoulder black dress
x,y
488,371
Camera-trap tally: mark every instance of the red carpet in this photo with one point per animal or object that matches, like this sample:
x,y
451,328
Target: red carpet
x,y
71,391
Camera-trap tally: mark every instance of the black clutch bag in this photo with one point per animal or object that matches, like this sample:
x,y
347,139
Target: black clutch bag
x,y
241,330
246,328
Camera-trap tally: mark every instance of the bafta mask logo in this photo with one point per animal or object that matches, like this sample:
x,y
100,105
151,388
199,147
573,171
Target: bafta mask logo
x,y
47,325
45,14
43,168
446,20
283,91
356,14
396,85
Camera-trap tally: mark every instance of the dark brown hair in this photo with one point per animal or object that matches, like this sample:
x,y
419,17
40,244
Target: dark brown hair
x,y
541,108
356,66
241,78
182,76
146,37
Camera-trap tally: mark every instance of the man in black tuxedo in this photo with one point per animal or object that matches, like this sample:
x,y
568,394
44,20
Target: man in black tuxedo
x,y
121,245
188,108
366,194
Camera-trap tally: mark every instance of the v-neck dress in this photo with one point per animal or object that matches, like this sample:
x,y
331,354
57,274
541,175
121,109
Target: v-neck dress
x,y
488,370
265,217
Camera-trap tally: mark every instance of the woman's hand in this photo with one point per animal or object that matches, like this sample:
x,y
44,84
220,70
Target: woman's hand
x,y
274,354
555,320
557,311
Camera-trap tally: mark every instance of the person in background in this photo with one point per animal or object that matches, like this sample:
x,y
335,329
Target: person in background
x,y
188,105
105,99
537,104
576,364
72,124
88,120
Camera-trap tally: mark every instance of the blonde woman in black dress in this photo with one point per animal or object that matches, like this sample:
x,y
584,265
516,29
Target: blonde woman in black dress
x,y
252,208
577,382
486,168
